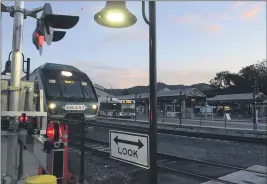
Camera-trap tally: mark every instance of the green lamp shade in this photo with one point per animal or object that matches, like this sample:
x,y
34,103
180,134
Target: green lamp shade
x,y
115,15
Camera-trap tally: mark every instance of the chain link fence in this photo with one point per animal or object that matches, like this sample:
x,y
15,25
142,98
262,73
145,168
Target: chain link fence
x,y
189,117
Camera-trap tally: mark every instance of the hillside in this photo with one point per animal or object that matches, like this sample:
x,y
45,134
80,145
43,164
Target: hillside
x,y
160,86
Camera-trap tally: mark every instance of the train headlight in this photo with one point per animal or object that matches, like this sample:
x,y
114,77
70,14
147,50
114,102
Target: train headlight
x,y
52,106
94,107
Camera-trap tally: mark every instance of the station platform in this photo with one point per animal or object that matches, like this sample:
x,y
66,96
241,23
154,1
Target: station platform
x,y
30,165
245,177
175,127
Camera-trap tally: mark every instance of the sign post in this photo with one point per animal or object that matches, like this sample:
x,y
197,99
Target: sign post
x,y
130,147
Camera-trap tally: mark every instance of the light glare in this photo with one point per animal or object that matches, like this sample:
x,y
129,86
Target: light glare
x,y
114,16
66,73
94,106
52,106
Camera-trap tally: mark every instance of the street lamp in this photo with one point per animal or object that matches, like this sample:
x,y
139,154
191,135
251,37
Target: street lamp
x,y
116,15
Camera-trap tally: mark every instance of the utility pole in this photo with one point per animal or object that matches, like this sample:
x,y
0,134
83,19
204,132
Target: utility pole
x,y
153,178
254,104
135,100
180,115
16,66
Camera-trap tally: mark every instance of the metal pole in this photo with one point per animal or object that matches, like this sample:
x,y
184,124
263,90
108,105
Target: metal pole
x,y
163,112
135,98
15,95
153,178
107,107
254,103
82,151
180,117
21,151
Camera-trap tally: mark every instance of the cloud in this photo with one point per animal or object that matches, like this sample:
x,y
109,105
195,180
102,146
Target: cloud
x,y
208,54
89,9
197,20
213,28
140,77
236,5
188,18
222,16
92,66
251,13
118,77
129,35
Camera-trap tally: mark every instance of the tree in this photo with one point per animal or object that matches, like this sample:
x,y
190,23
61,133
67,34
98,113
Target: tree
x,y
219,81
125,92
242,81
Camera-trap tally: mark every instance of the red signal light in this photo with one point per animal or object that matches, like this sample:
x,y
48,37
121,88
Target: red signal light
x,y
54,131
23,118
50,131
40,39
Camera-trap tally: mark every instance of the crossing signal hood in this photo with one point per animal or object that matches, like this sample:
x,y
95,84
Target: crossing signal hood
x,y
54,135
46,24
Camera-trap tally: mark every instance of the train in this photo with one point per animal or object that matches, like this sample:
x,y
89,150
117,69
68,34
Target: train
x,y
68,93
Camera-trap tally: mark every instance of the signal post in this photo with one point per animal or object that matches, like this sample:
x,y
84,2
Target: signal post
x,y
44,31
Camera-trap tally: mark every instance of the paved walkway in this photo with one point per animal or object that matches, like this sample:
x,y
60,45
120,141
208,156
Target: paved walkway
x,y
30,164
245,177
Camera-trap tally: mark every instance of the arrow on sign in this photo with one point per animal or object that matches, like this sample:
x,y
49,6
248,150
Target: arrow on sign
x,y
139,143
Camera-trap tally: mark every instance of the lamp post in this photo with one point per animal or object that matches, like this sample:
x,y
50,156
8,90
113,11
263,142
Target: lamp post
x,y
116,15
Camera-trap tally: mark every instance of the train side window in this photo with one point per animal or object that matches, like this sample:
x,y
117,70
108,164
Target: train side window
x,y
36,87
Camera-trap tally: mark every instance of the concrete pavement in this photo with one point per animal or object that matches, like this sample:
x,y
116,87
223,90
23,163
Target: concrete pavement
x,y
245,177
30,165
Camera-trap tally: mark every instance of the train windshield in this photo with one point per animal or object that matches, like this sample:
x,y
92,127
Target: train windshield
x,y
73,89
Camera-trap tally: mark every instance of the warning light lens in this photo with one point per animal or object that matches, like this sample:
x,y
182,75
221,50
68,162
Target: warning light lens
x,y
41,40
23,118
66,73
50,131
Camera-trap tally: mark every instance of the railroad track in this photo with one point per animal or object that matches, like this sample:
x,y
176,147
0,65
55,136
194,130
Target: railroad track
x,y
171,163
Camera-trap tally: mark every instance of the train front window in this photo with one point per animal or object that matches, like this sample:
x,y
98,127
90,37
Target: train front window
x,y
88,90
53,89
71,88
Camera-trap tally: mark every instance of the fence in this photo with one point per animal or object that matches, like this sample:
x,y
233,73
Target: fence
x,y
201,119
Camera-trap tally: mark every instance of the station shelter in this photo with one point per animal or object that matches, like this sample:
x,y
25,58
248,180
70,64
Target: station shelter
x,y
171,102
237,104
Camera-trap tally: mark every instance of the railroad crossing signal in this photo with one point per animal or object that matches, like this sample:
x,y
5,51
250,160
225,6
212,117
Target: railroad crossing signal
x,y
46,24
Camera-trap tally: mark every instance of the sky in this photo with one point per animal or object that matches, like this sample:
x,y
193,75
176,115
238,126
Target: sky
x,y
195,40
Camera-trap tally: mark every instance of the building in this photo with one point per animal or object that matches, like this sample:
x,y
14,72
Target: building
x,y
172,102
237,104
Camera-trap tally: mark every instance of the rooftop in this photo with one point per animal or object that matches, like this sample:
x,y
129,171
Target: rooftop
x,y
166,93
236,97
